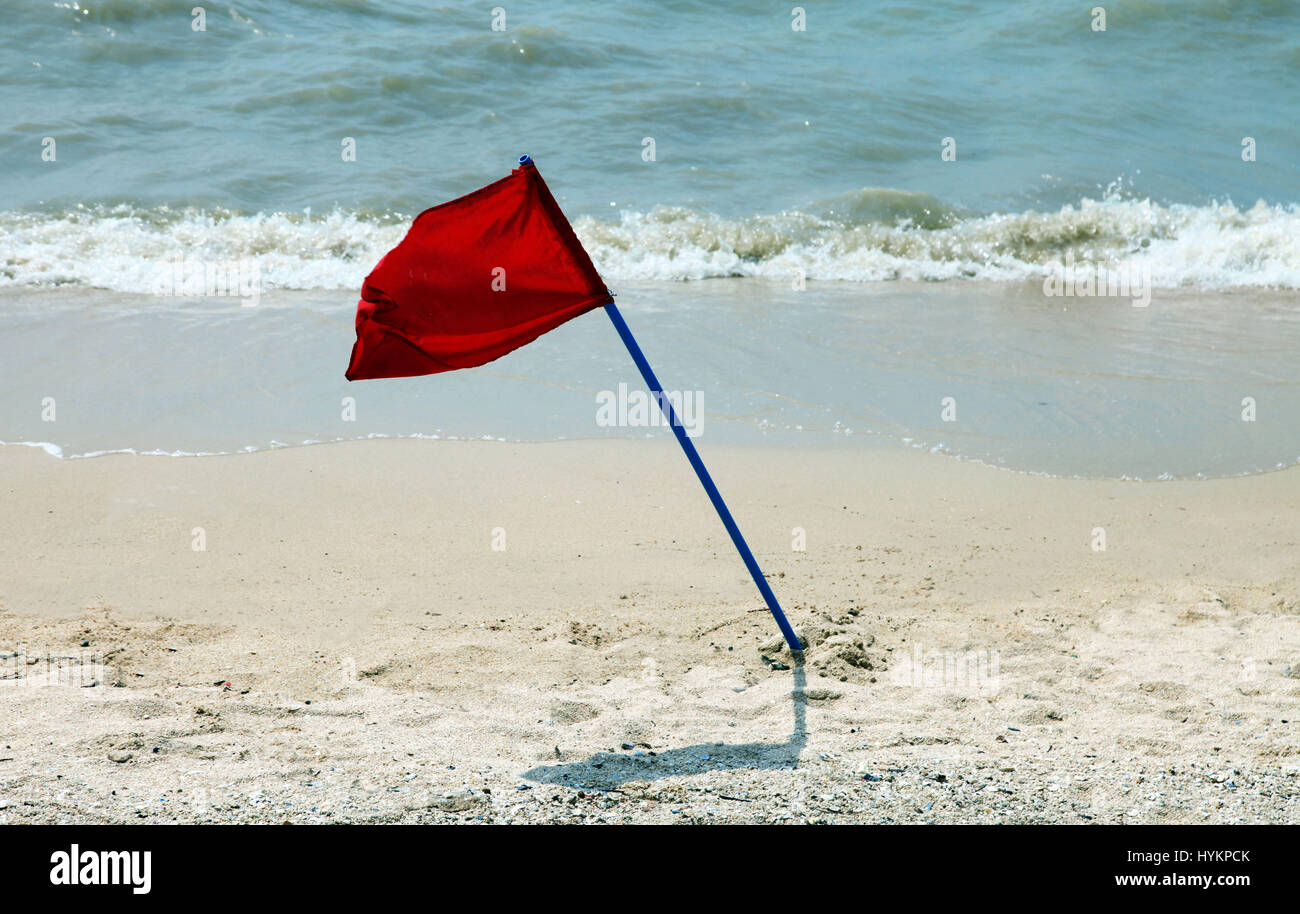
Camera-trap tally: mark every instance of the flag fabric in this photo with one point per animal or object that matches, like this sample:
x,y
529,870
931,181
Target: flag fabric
x,y
474,279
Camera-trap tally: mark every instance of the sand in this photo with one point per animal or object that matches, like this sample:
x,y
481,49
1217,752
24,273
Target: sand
x,y
349,646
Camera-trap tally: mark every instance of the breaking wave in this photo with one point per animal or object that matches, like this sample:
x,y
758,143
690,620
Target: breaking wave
x,y
868,236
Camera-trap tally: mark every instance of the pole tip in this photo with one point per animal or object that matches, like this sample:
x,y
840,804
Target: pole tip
x,y
525,159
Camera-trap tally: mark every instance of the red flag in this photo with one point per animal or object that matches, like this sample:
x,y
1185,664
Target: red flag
x,y
474,279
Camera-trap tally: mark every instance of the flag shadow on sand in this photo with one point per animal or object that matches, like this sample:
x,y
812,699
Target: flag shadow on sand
x,y
609,770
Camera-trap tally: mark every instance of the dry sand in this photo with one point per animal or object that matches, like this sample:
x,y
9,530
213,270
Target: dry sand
x,y
349,647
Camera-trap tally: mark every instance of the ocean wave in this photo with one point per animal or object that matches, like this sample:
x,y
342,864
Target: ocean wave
x,y
870,235
1214,246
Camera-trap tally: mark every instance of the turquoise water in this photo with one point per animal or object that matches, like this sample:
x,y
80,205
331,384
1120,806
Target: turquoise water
x,y
249,114
815,146
780,157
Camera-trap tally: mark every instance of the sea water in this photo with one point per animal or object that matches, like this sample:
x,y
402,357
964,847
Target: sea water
x,y
843,224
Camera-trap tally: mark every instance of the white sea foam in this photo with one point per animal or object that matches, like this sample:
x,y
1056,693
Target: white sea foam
x,y
47,446
1212,247
131,251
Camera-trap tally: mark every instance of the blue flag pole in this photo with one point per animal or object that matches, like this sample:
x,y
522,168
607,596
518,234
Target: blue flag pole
x,y
705,480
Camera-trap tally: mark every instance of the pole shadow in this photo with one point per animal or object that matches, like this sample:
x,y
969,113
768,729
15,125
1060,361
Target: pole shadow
x,y
609,770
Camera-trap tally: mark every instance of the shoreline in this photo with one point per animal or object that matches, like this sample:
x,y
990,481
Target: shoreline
x,y
984,371
55,451
385,664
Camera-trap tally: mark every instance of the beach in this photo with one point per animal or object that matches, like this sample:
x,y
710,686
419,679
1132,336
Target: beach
x,y
988,339
348,646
